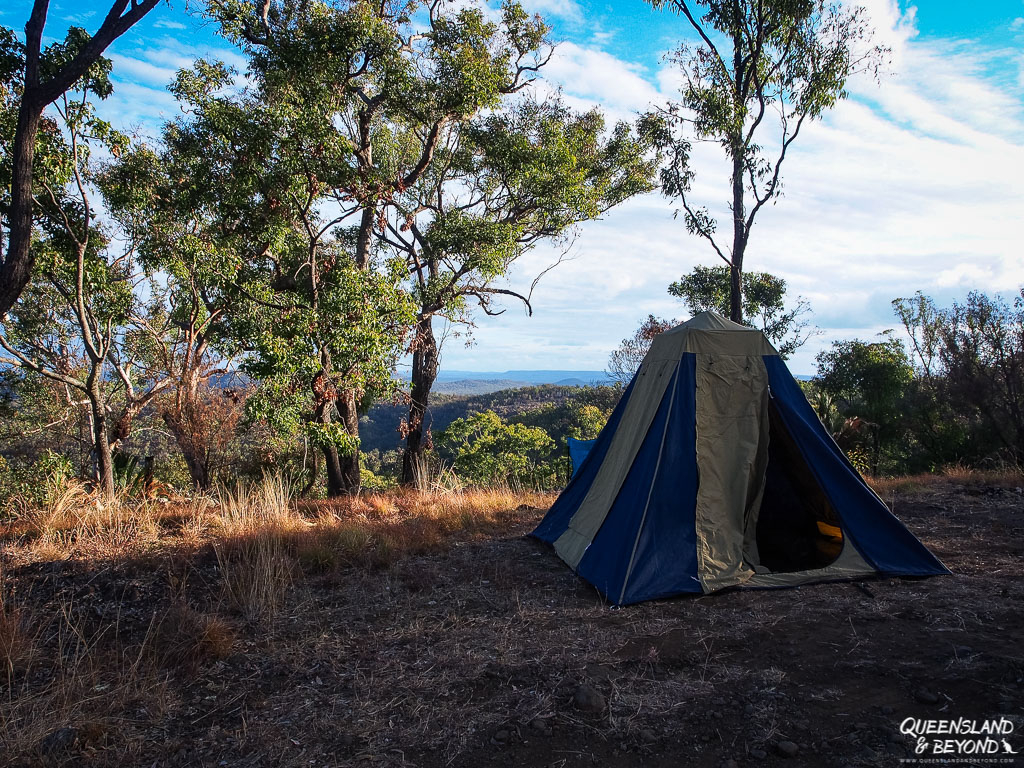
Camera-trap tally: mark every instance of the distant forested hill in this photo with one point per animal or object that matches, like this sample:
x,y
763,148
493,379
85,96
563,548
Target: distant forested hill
x,y
542,406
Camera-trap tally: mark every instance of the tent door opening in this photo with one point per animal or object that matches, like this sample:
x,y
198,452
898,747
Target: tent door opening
x,y
797,529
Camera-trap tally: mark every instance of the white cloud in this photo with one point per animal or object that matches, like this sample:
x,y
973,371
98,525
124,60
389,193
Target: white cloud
x,y
167,24
139,70
564,9
592,76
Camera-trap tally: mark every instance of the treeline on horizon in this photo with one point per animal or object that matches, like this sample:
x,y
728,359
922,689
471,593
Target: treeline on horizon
x,y
233,298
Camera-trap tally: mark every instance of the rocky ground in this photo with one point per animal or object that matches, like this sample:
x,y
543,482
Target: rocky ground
x,y
491,652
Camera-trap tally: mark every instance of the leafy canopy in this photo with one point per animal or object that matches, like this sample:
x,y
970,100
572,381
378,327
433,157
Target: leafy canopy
x,y
487,450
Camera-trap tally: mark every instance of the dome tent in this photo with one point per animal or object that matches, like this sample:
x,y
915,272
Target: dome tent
x,y
713,471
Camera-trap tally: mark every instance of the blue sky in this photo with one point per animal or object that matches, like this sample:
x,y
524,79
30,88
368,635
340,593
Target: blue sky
x,y
912,183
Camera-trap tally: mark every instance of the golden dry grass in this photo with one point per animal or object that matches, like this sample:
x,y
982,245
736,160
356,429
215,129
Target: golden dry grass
x,y
955,474
259,525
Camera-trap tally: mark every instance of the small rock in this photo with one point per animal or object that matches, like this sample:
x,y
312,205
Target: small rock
x,y
588,699
501,737
647,736
59,741
539,724
925,696
758,754
787,748
749,709
869,754
730,764
962,651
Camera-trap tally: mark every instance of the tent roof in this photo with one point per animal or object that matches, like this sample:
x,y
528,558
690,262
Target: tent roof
x,y
709,333
710,321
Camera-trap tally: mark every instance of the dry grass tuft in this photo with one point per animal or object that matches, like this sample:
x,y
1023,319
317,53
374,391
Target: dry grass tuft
x,y
256,572
188,637
67,504
256,523
16,641
376,530
956,473
76,523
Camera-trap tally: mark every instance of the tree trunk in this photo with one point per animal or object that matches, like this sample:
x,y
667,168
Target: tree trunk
x,y
348,408
424,372
739,236
101,445
17,263
337,479
337,483
196,459
180,418
314,471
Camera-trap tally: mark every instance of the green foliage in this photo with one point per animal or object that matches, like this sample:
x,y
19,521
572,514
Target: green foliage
x,y
871,377
32,482
870,380
503,182
53,163
764,294
357,325
981,349
489,451
587,421
373,482
77,322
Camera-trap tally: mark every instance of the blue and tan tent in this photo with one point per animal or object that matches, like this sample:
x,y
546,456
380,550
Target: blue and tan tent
x,y
714,471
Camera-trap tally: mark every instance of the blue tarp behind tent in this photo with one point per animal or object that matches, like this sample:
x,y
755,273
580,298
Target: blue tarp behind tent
x,y
578,450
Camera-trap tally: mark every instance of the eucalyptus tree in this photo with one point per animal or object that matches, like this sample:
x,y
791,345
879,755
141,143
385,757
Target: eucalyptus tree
x,y
74,323
871,381
500,184
348,114
756,73
165,212
249,203
36,79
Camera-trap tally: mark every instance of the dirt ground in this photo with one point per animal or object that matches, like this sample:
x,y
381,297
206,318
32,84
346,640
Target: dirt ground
x,y
494,653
